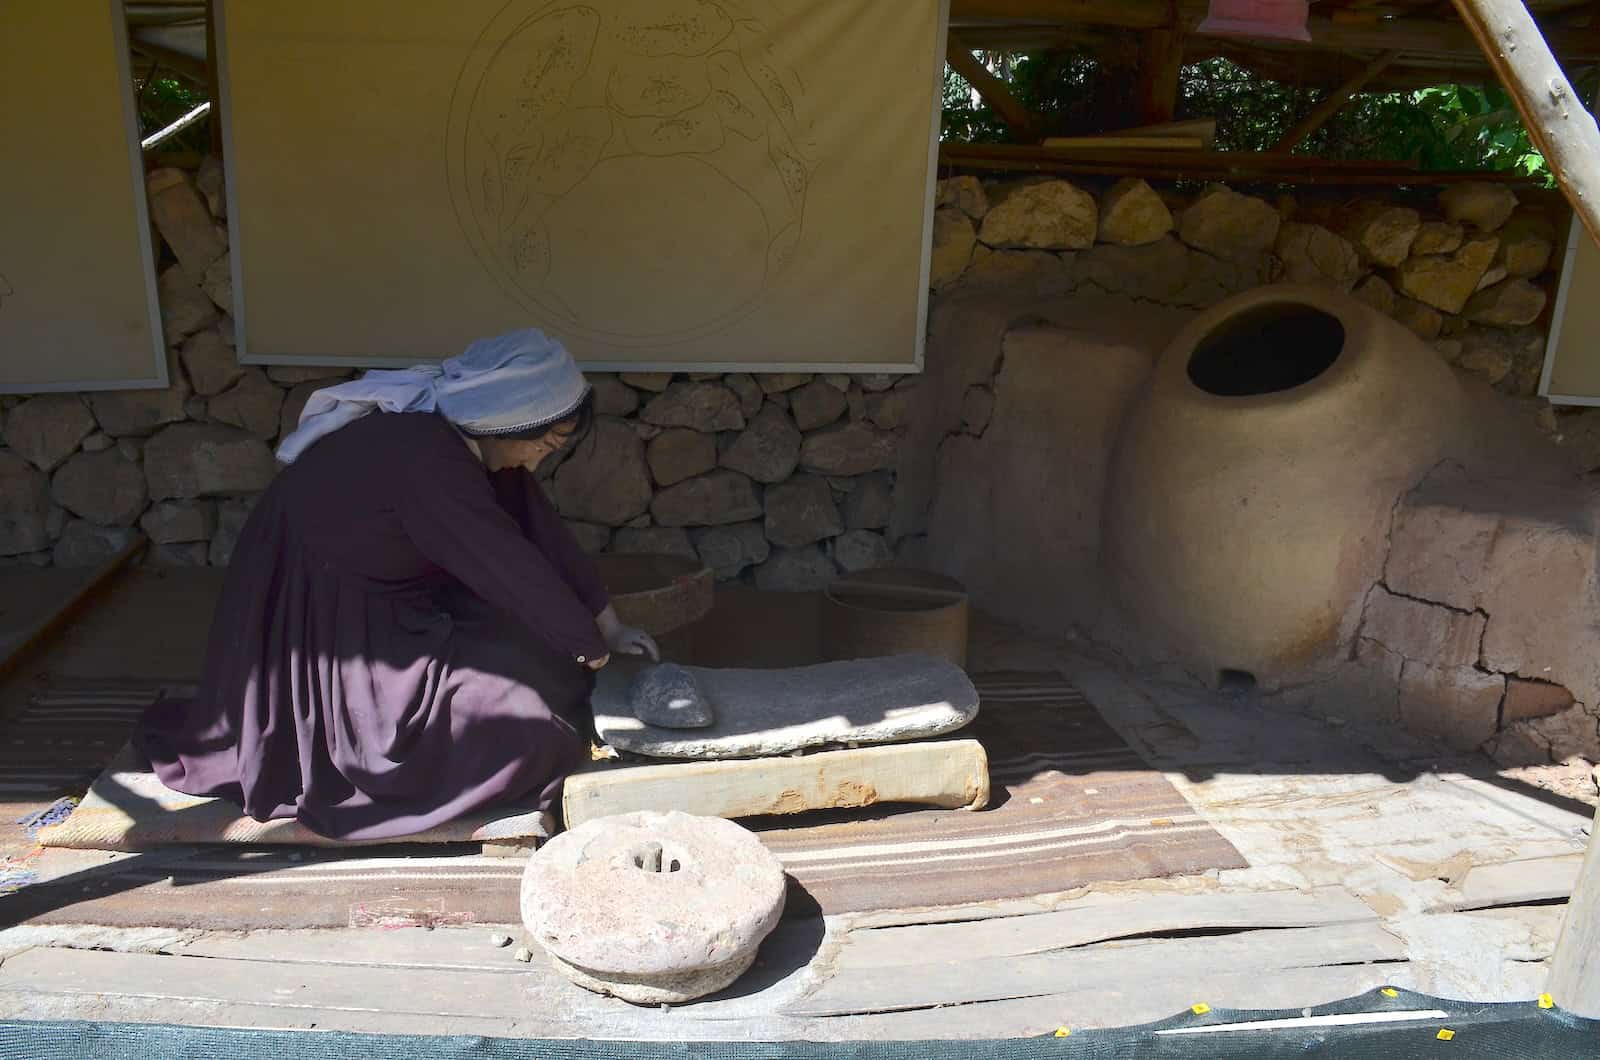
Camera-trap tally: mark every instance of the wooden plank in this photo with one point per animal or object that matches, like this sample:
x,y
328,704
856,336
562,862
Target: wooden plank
x,y
1131,14
1098,918
1556,117
994,91
1105,141
1126,1004
462,993
953,774
1334,102
1125,965
442,949
1513,883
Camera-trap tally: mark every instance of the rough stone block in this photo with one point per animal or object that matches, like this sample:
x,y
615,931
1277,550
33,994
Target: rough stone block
x,y
137,413
210,363
768,450
748,391
1132,214
783,382
83,544
1311,254
253,404
713,499
1511,303
1421,320
892,410
180,522
217,283
801,511
859,550
1230,226
46,430
1048,215
1377,293
816,404
606,480
591,538
613,397
232,515
185,309
870,504
184,220
953,240
851,449
192,460
680,453
101,487
727,551
1526,245
183,554
1438,237
1383,234
1039,270
24,506
698,406
965,194
1484,205
1446,281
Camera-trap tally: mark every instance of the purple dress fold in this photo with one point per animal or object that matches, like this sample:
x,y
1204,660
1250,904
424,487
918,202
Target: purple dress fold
x,y
397,643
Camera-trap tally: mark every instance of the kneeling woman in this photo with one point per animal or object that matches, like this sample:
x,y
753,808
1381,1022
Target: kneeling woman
x,y
408,631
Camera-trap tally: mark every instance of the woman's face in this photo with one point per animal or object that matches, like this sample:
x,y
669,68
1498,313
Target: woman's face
x,y
502,453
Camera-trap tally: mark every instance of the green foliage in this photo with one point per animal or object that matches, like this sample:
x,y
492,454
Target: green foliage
x,y
1450,127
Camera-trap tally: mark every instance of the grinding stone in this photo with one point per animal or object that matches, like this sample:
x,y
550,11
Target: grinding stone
x,y
668,696
772,712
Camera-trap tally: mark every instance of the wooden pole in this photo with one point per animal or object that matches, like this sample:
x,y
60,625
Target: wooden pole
x,y
1575,970
214,88
1334,102
1160,64
994,91
1558,122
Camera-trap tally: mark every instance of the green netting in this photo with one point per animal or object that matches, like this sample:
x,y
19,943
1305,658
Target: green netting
x,y
1475,1032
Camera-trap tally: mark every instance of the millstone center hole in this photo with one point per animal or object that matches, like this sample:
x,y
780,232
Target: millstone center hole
x,y
652,858
1265,350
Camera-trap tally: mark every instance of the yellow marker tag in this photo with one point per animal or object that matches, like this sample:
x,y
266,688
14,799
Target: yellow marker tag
x,y
1446,1034
1063,1032
1200,1009
1546,1001
1389,991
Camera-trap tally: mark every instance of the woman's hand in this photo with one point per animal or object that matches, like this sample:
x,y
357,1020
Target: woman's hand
x,y
625,639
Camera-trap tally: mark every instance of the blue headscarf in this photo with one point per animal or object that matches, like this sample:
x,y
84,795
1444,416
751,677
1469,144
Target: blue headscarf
x,y
516,382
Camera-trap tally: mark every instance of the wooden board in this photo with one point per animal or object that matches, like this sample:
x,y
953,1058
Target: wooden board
x,y
952,774
1099,917
1513,883
78,307
985,978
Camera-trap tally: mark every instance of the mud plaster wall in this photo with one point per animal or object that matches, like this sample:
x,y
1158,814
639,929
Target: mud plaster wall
x,y
1054,302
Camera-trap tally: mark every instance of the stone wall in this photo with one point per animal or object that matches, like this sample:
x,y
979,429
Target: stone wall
x,y
1468,269
782,479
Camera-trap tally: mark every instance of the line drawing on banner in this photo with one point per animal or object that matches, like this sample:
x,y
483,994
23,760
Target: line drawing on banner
x,y
636,175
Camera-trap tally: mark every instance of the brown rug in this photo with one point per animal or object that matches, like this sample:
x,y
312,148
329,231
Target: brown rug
x,y
1072,805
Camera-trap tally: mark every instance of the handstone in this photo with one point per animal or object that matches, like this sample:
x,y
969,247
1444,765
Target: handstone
x,y
774,712
668,697
653,908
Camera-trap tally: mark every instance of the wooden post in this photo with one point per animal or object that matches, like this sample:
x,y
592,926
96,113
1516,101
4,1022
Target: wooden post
x,y
1558,122
994,91
1334,102
1160,63
1575,969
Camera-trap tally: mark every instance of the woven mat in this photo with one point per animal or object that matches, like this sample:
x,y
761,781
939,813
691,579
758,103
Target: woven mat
x,y
1072,805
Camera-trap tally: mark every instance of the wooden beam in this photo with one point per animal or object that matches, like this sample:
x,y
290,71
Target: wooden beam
x,y
1160,63
185,66
1334,102
1558,122
213,80
15,652
994,91
1130,14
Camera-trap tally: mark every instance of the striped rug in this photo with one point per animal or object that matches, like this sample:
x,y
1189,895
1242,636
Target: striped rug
x,y
1072,804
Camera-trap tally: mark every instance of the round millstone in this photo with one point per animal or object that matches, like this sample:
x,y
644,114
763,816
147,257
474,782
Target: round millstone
x,y
653,908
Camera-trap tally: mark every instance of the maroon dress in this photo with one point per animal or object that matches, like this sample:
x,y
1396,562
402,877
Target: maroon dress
x,y
398,643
